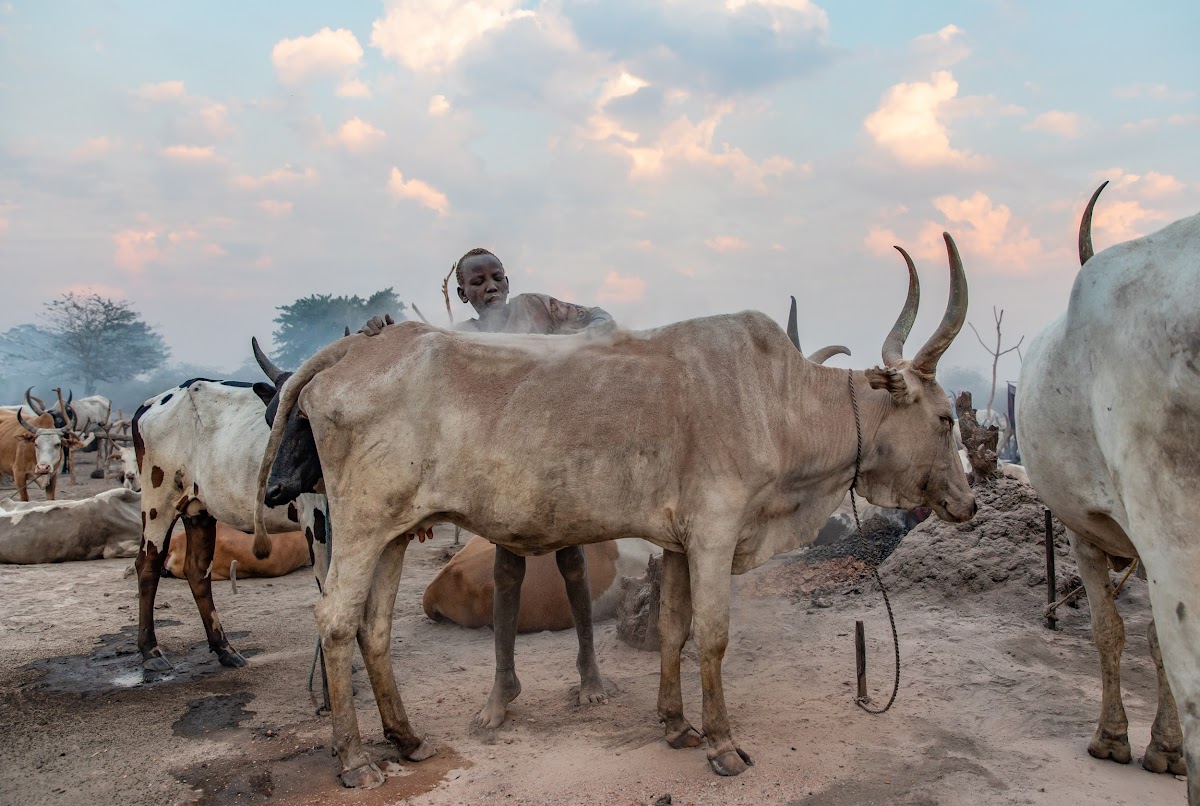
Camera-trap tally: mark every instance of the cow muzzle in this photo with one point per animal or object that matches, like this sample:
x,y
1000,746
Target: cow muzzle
x,y
42,470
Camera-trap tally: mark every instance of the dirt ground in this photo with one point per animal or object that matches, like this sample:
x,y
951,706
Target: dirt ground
x,y
993,708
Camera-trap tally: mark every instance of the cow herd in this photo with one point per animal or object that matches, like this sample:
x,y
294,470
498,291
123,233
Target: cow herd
x,y
715,441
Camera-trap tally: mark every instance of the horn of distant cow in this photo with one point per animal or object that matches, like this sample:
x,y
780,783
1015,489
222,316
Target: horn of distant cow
x,y
35,404
793,330
893,345
28,427
956,313
347,333
71,417
1085,227
265,363
826,353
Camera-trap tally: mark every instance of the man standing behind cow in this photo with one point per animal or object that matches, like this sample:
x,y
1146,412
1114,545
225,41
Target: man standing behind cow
x,y
483,284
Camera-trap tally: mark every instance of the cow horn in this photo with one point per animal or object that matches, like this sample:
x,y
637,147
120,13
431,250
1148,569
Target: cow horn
x,y
952,321
893,345
793,329
34,403
347,333
1085,227
826,353
28,427
71,417
70,396
269,368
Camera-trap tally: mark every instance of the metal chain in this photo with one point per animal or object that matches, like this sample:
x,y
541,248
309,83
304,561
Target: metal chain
x,y
862,702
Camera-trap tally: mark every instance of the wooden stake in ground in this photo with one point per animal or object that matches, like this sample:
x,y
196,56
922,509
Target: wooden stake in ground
x,y
979,442
860,659
1051,582
446,294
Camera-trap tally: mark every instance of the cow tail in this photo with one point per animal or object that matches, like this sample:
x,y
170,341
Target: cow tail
x,y
288,397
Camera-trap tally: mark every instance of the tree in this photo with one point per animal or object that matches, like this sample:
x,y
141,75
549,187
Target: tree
x,y
309,323
996,352
87,338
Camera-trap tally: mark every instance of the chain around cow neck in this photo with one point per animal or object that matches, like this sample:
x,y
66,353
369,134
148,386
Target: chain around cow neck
x,y
862,701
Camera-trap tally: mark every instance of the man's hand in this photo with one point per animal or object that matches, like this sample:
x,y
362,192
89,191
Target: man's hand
x,y
375,325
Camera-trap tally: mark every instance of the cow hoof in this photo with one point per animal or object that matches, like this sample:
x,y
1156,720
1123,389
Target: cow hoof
x,y
731,762
424,750
491,717
1110,746
368,776
1159,759
228,656
156,663
688,737
592,694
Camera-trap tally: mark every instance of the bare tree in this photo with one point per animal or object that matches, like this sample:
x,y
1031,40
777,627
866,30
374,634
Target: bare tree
x,y
997,352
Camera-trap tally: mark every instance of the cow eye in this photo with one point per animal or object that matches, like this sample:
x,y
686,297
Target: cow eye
x,y
947,421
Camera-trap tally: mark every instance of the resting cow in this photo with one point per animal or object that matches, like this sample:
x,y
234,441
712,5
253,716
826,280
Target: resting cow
x,y
713,438
289,551
33,450
1109,409
463,591
101,527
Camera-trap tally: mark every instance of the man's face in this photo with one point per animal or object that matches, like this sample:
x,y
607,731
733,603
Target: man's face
x,y
485,285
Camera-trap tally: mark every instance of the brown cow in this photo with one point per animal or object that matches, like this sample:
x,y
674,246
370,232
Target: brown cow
x,y
464,590
289,551
32,450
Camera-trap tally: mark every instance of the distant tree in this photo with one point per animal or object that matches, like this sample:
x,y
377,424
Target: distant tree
x,y
87,339
309,323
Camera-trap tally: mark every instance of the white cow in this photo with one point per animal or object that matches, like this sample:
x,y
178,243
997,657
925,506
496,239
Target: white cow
x,y
104,526
1109,411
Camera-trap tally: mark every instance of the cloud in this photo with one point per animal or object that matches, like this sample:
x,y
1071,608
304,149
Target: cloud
x,y
135,249
1154,123
726,243
357,135
1122,217
418,191
907,124
687,143
287,175
1150,185
621,288
276,209
1063,124
325,53
431,35
624,84
353,88
944,47
438,106
1160,92
214,120
162,91
184,153
94,149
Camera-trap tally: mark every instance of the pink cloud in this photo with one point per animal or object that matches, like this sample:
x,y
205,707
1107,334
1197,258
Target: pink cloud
x,y
909,124
621,288
287,175
422,193
327,52
276,209
162,91
135,249
726,243
185,153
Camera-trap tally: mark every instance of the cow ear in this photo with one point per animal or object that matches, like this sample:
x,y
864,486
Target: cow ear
x,y
902,388
27,437
265,392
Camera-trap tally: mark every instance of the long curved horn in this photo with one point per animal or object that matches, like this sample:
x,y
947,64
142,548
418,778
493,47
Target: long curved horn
x,y
38,407
28,427
893,345
265,363
826,353
926,359
70,396
71,417
1085,227
793,330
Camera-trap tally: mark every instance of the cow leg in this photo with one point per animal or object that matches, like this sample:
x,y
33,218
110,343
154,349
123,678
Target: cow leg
x,y
572,564
149,565
1108,631
375,642
1165,751
197,567
674,624
52,487
21,479
710,573
507,575
339,613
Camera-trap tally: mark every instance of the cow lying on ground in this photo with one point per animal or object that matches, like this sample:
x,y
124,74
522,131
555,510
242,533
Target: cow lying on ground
x,y
1109,411
463,591
101,527
198,446
289,551
713,438
33,450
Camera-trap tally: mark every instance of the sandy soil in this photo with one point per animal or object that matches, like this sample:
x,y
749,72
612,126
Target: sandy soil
x,y
993,708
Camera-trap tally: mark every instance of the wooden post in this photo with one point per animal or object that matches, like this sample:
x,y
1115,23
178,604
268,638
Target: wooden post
x,y
1051,582
860,659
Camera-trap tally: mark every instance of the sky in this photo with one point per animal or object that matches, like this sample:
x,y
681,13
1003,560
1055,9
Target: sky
x,y
664,159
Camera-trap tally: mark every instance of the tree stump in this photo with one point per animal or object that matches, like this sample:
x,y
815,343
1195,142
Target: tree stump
x,y
980,443
637,612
